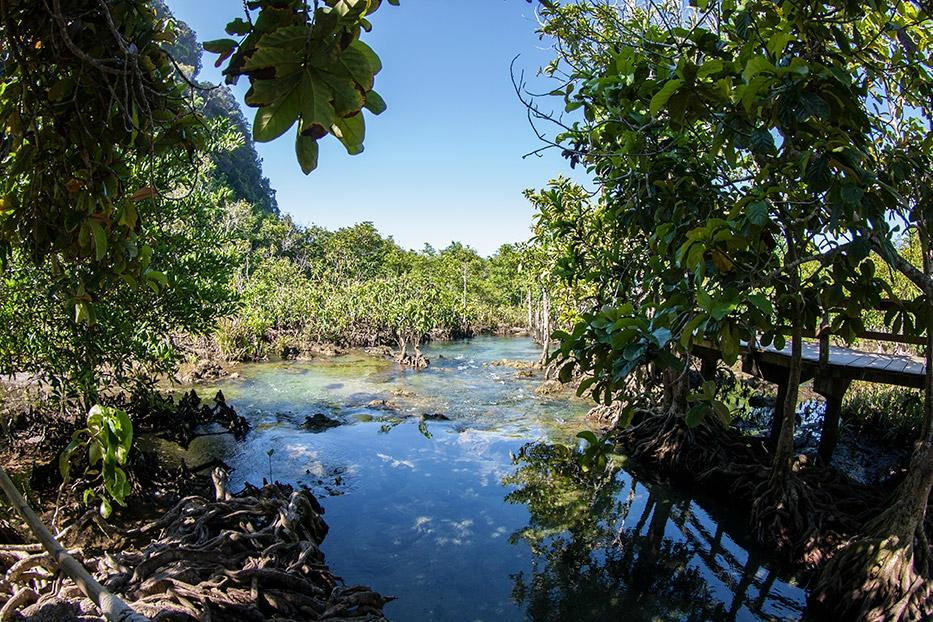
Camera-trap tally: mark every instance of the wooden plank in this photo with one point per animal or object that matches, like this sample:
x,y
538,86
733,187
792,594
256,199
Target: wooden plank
x,y
878,367
853,359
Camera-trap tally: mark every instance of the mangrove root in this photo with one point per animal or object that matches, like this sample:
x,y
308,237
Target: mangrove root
x,y
251,557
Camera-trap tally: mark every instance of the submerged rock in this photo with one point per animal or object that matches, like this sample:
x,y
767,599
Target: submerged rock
x,y
382,405
319,422
515,364
203,369
549,387
325,349
383,351
434,417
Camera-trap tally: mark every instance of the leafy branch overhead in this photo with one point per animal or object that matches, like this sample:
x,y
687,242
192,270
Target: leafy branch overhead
x,y
307,66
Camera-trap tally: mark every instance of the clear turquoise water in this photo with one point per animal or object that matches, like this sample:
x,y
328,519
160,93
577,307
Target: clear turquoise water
x,y
441,515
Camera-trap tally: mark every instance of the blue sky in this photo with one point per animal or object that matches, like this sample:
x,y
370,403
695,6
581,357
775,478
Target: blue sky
x,y
444,162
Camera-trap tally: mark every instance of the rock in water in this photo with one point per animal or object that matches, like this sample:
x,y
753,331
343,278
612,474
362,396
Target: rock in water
x,y
434,417
318,422
549,387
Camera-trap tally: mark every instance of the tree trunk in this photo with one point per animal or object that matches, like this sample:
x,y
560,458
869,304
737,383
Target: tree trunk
x,y
545,328
113,607
885,574
531,316
784,449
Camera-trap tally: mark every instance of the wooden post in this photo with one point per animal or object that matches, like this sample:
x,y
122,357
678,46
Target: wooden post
x,y
833,390
776,422
113,607
708,365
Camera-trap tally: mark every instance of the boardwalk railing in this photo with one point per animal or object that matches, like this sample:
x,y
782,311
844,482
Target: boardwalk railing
x,y
832,369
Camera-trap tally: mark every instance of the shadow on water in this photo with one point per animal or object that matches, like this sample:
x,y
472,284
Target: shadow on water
x,y
483,514
606,546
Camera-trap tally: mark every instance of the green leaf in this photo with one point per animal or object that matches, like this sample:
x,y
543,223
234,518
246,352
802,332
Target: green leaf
x,y
276,118
94,453
375,65
661,97
263,92
778,42
721,309
713,65
756,65
722,411
588,436
238,27
812,105
757,213
219,46
851,194
105,508
374,103
355,62
306,149
351,131
100,239
762,141
347,98
761,303
317,112
695,415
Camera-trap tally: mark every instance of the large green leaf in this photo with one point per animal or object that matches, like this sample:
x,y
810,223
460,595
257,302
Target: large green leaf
x,y
274,119
357,65
351,131
317,111
374,103
306,148
661,97
347,99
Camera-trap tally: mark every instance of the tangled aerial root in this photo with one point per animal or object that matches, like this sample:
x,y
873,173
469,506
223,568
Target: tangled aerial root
x,y
254,557
804,516
873,579
665,441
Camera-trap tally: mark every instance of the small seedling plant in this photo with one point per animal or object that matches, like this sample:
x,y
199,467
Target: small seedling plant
x,y
107,440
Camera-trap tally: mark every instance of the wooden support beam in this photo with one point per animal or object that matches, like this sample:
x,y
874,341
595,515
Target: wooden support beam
x,y
833,390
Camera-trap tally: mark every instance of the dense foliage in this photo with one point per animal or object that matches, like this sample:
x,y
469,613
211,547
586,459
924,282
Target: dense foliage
x,y
304,287
126,335
752,156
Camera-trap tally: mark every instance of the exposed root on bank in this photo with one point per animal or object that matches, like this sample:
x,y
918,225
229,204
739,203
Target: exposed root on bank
x,y
253,557
667,442
886,572
162,416
785,512
874,579
804,516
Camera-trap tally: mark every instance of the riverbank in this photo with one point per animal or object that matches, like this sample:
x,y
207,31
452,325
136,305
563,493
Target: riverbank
x,y
184,548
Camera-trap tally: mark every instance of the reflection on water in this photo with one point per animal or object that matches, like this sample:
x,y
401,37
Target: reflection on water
x,y
485,516
606,546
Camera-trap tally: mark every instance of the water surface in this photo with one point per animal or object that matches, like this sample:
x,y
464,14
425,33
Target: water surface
x,y
486,516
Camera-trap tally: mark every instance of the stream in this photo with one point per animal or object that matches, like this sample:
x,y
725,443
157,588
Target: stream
x,y
473,512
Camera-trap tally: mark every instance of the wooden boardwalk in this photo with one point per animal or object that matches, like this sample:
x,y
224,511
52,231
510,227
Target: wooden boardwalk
x,y
897,369
832,369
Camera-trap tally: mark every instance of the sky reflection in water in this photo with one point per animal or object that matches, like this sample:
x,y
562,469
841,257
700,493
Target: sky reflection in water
x,y
438,514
